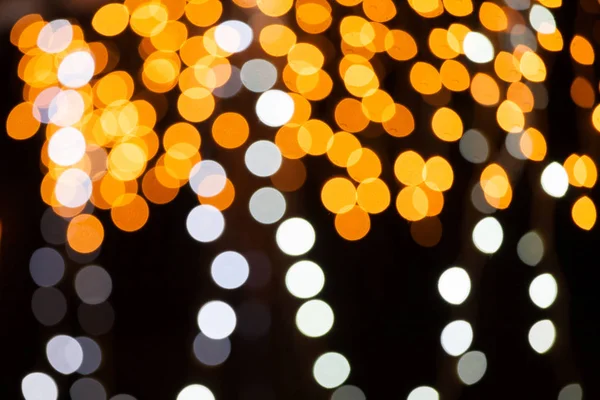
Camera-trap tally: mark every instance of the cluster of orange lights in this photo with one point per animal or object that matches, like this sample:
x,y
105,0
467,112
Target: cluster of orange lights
x,y
119,127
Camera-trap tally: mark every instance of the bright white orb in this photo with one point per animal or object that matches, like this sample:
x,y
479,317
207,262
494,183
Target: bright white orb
x,y
267,205
64,353
471,367
331,370
555,180
233,36
543,290
230,270
423,393
488,235
39,386
66,108
275,108
305,279
55,36
195,392
542,336
73,188
454,285
478,48
314,318
217,320
205,223
542,20
263,158
67,146
295,236
76,69
457,337
207,178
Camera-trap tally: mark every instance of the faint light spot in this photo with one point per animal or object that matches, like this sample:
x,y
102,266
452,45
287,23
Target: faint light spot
x,y
275,108
39,386
41,104
211,352
518,4
76,69
46,266
208,178
543,290
542,335
230,270
542,20
87,389
331,370
64,354
254,319
205,223
55,36
423,393
267,205
474,146
314,318
258,75
96,319
478,48
195,392
555,180
93,284
305,279
520,35
488,235
122,397
263,158
479,201
231,87
53,227
454,285
531,248
571,392
457,337
92,355
348,392
295,236
471,367
216,320
233,36
513,145
66,146
49,306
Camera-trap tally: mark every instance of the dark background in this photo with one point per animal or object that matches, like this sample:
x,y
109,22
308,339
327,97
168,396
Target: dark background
x,y
383,289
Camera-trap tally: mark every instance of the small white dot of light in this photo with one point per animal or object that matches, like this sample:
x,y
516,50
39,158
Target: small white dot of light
x,y
305,279
73,188
64,354
66,108
87,389
471,367
531,248
195,392
543,290
295,236
42,103
39,386
55,36
423,393
46,266
478,48
488,235
92,355
348,392
513,145
518,4
216,320
542,336
207,178
542,20
267,205
67,146
230,270
457,337
76,69
275,108
233,36
474,146
314,318
263,158
555,180
331,370
454,285
572,391
205,223
258,75
93,284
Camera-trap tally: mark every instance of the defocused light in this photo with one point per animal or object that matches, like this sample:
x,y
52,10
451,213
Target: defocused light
x,y
92,355
314,318
230,270
531,248
478,48
46,266
93,284
572,391
76,69
205,223
348,392
488,235
471,367
295,236
423,393
543,290
233,36
87,389
275,108
474,146
555,180
73,188
195,392
258,75
305,279
64,354
211,352
39,386
49,306
454,285
542,20
67,146
216,320
263,158
457,337
542,336
267,205
207,178
66,108
331,370
55,36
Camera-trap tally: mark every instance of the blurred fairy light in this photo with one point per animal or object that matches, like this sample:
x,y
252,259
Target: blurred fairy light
x,y
103,150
